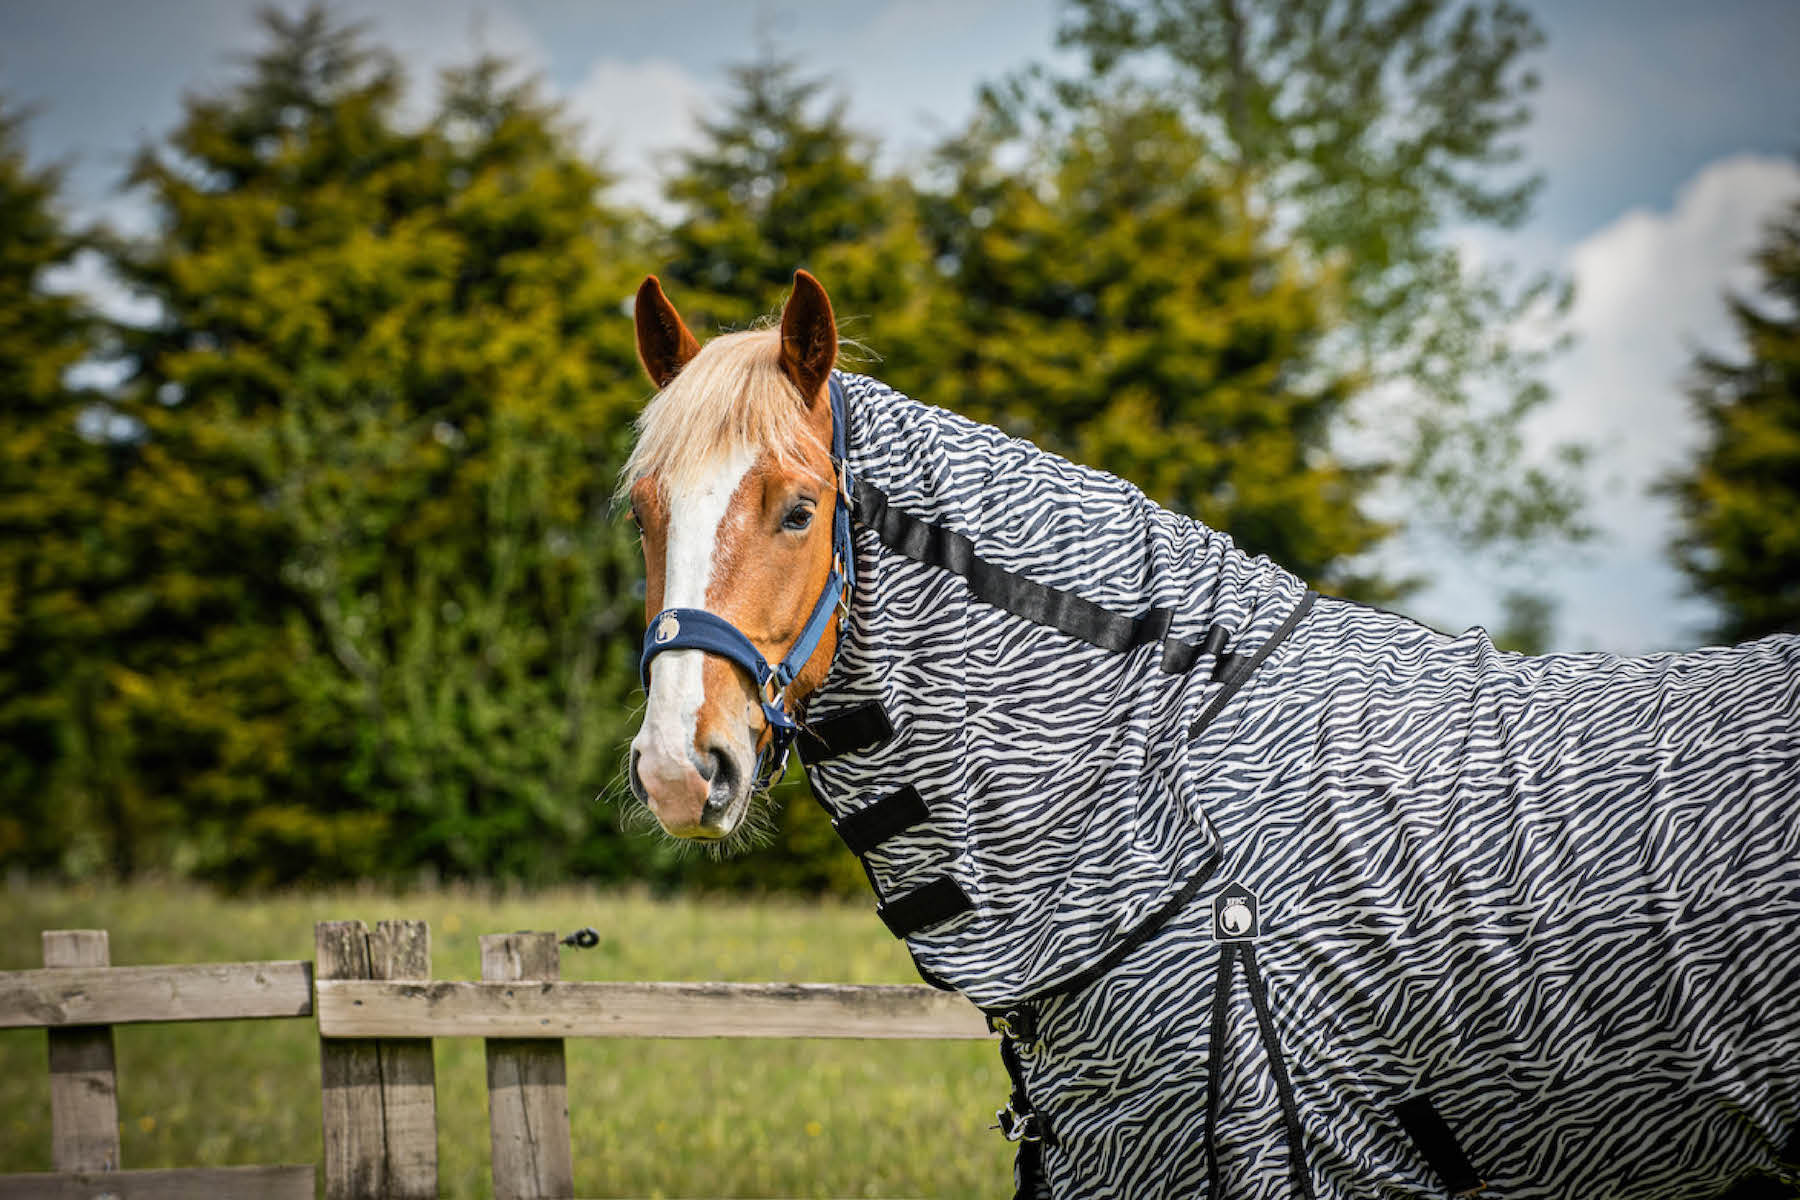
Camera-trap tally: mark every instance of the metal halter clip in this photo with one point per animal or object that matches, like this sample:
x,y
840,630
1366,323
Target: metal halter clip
x,y
1016,1126
1017,1024
844,593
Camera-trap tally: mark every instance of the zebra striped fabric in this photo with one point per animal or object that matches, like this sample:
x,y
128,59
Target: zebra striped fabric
x,y
1556,897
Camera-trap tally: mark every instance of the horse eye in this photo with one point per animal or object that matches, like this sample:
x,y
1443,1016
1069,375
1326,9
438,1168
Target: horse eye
x,y
798,517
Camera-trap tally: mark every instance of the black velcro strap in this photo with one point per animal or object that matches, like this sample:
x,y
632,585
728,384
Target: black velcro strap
x,y
1226,664
1438,1145
1065,612
1179,656
859,727
925,905
867,828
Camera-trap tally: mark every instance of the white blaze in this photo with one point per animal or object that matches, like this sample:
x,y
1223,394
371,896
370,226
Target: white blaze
x,y
676,682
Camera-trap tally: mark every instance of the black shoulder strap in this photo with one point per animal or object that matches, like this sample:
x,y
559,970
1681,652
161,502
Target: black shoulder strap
x,y
1439,1147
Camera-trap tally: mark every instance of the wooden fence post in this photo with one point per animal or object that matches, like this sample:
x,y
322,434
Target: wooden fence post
x,y
379,1097
84,1086
528,1093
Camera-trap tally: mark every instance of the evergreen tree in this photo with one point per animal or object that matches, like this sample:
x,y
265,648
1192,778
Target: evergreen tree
x,y
1739,502
52,492
1108,295
782,182
387,607
1364,132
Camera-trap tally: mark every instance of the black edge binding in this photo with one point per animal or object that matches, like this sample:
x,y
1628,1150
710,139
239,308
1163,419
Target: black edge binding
x,y
867,828
1140,933
926,904
1065,612
1237,668
859,727
1431,1134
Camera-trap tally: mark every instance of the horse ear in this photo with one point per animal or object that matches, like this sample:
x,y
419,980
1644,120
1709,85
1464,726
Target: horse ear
x,y
664,344
808,336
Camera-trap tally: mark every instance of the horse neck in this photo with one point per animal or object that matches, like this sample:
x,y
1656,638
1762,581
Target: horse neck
x,y
962,493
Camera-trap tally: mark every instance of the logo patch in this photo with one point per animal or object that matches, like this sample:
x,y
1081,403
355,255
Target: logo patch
x,y
667,628
1235,915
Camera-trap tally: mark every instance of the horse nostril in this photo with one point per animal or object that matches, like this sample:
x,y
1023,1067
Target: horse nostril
x,y
636,779
707,764
719,769
721,772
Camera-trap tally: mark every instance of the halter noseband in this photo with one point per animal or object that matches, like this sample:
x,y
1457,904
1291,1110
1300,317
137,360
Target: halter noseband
x,y
697,629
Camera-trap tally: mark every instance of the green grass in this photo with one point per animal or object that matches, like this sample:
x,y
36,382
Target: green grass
x,y
649,1118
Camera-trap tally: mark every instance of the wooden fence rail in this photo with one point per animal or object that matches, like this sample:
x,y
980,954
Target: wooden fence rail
x,y
377,1009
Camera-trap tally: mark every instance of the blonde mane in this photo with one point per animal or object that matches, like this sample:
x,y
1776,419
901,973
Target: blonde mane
x,y
731,396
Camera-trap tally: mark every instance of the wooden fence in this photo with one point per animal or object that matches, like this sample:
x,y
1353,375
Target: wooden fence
x,y
377,1010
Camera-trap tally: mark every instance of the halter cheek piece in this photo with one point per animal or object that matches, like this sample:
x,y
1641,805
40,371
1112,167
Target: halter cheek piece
x,y
697,629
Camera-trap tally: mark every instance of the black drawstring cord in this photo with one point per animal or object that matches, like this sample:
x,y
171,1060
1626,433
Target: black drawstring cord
x,y
1229,953
1215,1055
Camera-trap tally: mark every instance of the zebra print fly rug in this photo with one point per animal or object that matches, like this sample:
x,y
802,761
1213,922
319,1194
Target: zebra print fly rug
x,y
1278,895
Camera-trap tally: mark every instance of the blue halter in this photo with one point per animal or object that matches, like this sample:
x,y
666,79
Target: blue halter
x,y
697,629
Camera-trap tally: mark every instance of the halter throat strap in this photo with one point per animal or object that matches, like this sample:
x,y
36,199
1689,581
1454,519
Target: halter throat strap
x,y
697,629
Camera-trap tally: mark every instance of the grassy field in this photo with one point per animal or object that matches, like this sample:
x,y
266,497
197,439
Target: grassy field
x,y
669,1119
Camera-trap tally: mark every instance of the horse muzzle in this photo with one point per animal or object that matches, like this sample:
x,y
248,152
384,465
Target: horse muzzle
x,y
701,795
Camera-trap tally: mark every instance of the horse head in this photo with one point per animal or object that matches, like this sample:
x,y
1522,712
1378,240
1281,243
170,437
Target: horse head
x,y
736,495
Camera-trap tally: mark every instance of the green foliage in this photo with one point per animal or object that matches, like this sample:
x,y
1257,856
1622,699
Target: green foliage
x,y
51,499
1739,501
1107,295
387,617
781,182
1365,132
337,589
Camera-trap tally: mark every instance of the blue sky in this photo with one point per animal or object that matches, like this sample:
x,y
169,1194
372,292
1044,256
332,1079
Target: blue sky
x,y
1668,133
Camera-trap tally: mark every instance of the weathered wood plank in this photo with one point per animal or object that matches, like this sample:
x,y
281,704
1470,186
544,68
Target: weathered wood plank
x,y
185,1183
349,1076
654,1010
84,1084
89,995
378,1105
402,950
528,1091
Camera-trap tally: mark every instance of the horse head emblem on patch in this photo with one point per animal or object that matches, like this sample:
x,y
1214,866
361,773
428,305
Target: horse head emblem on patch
x,y
667,628
1235,915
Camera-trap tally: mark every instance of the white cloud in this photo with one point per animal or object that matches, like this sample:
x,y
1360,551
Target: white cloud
x,y
635,115
1650,290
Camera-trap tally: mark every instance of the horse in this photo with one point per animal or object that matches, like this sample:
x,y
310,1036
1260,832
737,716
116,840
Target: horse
x,y
1266,893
